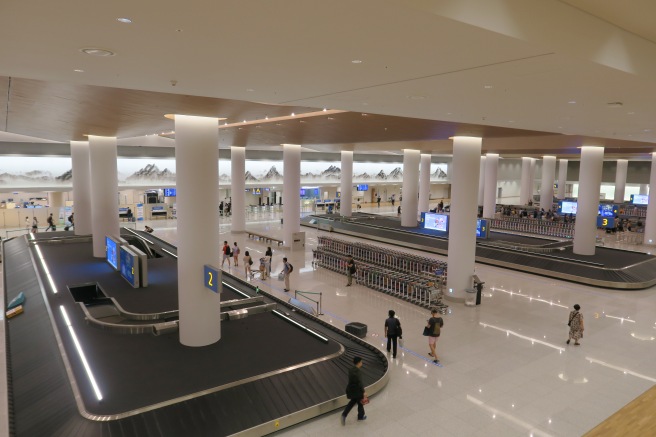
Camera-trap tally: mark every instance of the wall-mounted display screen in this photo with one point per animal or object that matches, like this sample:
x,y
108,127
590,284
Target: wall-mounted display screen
x,y
607,210
481,228
302,192
567,207
639,199
111,251
436,222
362,187
129,266
169,192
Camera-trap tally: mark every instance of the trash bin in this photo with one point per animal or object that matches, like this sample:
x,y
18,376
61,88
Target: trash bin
x,y
356,328
470,297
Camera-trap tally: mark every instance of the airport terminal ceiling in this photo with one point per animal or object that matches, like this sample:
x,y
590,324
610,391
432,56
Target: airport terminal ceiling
x,y
421,72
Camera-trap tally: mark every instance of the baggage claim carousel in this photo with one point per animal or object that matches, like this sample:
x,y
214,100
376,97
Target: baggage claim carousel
x,y
91,356
608,268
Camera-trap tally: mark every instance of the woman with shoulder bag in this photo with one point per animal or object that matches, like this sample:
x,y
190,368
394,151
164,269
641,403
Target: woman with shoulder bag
x,y
575,325
432,330
248,261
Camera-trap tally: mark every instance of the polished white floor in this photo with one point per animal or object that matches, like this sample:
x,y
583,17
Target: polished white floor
x,y
506,370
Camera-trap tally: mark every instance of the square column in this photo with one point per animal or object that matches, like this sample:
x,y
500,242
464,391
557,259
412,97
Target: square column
x,y
291,178
546,187
104,186
346,184
620,180
410,188
562,178
238,186
525,188
81,187
481,183
585,228
424,183
491,171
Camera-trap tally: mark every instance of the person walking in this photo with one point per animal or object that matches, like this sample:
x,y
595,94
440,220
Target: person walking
x,y
248,262
235,254
350,270
378,201
355,391
51,223
226,254
35,225
269,253
433,330
287,270
392,199
28,223
575,325
393,331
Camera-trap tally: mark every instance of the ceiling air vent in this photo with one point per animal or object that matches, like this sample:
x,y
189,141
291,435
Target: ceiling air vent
x,y
614,104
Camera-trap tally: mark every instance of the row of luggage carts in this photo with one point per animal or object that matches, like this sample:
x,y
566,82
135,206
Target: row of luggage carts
x,y
391,259
532,226
421,288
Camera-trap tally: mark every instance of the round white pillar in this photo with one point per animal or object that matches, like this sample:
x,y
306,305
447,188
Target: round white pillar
x,y
585,228
291,210
346,184
650,220
546,187
644,189
55,199
562,177
524,186
424,183
481,182
197,200
104,186
238,187
410,188
81,187
462,221
491,170
531,178
620,180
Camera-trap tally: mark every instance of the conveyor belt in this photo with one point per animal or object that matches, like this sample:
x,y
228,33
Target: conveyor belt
x,y
610,268
44,403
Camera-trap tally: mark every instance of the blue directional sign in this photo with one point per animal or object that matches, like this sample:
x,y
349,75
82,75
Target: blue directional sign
x,y
211,278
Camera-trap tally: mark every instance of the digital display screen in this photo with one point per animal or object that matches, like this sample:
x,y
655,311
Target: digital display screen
x,y
111,252
639,199
568,207
316,192
362,187
169,192
129,266
437,222
302,192
606,210
481,228
257,191
267,189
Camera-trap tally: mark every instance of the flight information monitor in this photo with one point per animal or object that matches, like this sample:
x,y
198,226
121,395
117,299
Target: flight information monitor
x,y
639,199
362,187
129,266
567,207
481,228
170,192
607,210
111,251
436,222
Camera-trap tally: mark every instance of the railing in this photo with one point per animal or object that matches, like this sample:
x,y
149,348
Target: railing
x,y
533,226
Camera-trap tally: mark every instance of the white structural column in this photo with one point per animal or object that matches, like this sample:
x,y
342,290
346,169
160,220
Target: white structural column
x,y
197,184
644,189
585,228
424,183
562,177
55,199
81,187
410,188
491,171
546,187
462,222
238,186
620,180
291,210
104,186
525,185
532,178
481,182
346,184
650,221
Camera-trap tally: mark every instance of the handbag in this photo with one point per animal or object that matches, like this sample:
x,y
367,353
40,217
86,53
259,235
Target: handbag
x,y
281,276
426,331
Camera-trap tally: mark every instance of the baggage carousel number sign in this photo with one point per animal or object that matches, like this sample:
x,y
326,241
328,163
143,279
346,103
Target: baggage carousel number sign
x,y
211,278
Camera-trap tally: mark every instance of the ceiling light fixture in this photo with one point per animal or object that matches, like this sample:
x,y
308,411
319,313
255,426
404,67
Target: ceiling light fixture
x,y
571,102
249,90
487,87
124,20
293,115
97,52
77,70
356,61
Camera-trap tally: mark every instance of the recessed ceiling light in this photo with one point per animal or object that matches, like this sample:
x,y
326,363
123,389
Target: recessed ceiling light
x,y
487,87
646,130
416,97
77,70
356,61
278,124
249,90
511,121
124,20
330,118
630,113
324,109
97,52
571,102
364,115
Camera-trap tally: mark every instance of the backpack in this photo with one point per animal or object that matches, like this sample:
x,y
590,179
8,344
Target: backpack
x,y
352,269
291,267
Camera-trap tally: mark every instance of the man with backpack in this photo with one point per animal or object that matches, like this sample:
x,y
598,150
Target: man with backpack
x,y
350,270
51,223
287,269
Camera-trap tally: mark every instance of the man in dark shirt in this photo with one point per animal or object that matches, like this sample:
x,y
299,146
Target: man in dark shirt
x,y
355,391
392,332
350,270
